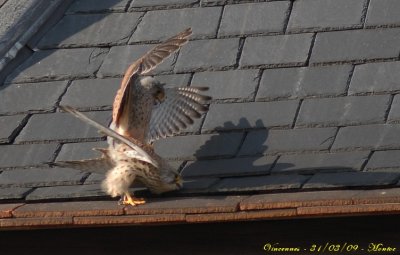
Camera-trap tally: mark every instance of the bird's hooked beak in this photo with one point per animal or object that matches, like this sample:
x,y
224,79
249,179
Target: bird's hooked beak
x,y
178,181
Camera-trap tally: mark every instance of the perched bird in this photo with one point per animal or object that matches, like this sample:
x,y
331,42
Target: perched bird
x,y
143,111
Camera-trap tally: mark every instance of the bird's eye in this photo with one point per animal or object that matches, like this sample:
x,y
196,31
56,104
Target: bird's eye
x,y
159,96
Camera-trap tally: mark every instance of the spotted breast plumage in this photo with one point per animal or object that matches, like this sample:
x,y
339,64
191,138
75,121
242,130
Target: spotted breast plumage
x,y
143,111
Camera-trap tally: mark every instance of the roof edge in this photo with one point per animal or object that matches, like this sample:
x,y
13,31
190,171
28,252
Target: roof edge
x,y
203,210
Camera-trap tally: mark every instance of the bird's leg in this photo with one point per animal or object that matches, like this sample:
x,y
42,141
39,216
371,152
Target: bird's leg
x,y
127,199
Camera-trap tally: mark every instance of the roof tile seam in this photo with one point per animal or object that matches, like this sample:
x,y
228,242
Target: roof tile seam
x,y
226,68
355,62
203,38
58,101
390,104
287,18
365,163
307,62
217,31
325,29
351,74
19,128
164,7
140,19
365,13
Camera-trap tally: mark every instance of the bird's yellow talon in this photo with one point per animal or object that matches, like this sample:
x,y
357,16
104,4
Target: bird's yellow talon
x,y
129,200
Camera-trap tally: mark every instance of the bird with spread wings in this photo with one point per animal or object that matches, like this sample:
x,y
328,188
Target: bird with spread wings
x,y
143,111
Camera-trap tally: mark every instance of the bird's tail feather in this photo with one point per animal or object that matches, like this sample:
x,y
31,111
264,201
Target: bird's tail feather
x,y
111,133
97,165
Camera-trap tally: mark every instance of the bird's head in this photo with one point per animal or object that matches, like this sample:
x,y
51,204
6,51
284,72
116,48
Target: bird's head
x,y
154,87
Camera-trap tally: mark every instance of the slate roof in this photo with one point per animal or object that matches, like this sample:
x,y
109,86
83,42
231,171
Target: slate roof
x,y
305,99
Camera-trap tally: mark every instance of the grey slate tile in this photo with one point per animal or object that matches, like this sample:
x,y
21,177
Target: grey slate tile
x,y
376,77
91,94
232,84
383,13
60,192
389,159
303,82
368,137
280,50
59,64
394,114
254,18
121,57
199,185
188,147
14,193
214,54
322,162
26,155
278,182
94,178
85,30
79,151
299,140
61,127
351,179
174,80
176,164
228,167
317,15
161,3
83,6
162,24
356,45
10,125
250,115
36,177
342,111
31,97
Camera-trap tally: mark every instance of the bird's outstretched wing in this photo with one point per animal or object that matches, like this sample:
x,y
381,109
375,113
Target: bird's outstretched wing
x,y
141,154
178,110
144,65
97,165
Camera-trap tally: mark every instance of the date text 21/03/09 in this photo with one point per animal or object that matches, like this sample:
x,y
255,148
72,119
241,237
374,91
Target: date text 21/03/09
x,y
332,247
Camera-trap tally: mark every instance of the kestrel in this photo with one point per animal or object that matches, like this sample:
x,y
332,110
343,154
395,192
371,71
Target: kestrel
x,y
143,111
124,162
134,114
